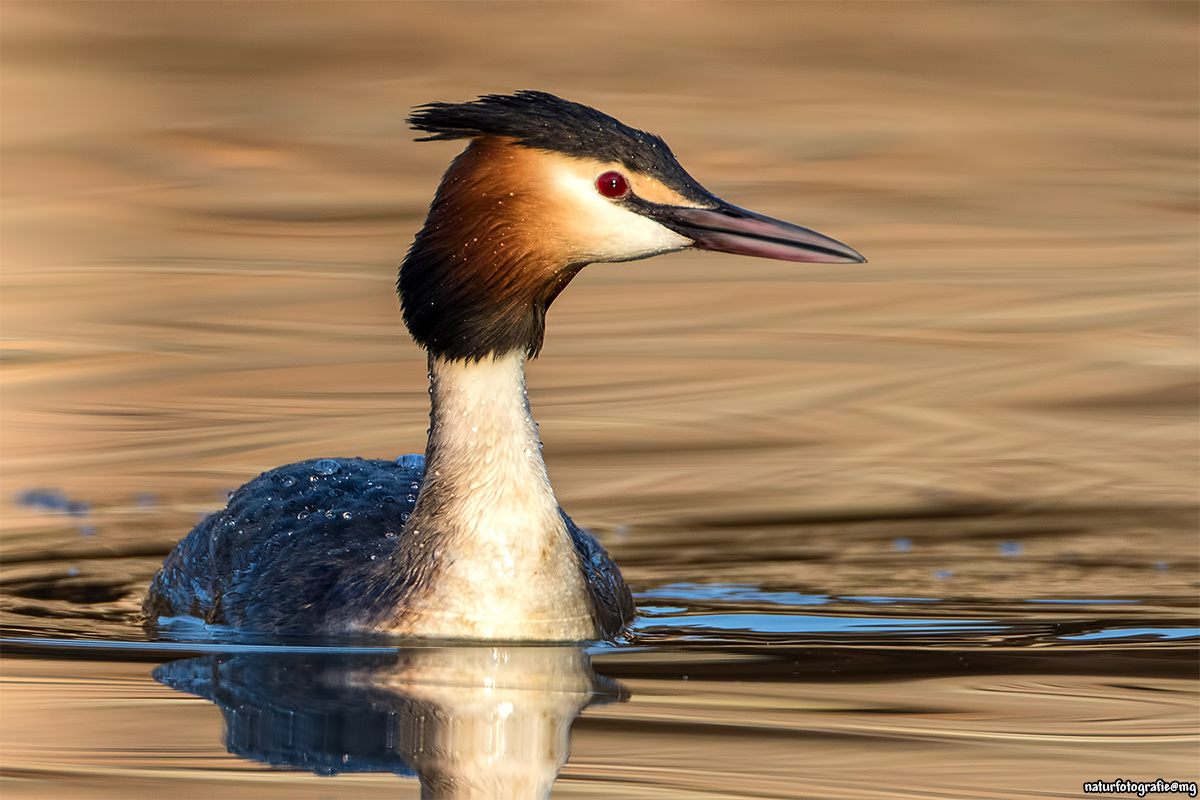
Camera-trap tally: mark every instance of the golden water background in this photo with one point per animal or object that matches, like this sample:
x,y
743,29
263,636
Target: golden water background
x,y
204,206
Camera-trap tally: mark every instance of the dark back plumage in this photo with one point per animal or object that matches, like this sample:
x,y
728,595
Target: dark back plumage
x,y
315,546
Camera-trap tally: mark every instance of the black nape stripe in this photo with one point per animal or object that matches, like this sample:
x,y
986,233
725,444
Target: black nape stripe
x,y
453,319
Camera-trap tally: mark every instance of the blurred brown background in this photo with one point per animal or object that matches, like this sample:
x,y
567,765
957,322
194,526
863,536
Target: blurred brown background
x,y
204,205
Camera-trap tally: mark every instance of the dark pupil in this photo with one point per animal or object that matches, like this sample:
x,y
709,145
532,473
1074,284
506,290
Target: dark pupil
x,y
612,184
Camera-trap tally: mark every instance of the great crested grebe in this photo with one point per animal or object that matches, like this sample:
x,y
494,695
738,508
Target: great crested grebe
x,y
471,543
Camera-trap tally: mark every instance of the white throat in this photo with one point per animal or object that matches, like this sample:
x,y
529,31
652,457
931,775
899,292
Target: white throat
x,y
507,567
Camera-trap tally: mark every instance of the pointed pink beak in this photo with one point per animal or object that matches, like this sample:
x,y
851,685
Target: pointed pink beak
x,y
730,229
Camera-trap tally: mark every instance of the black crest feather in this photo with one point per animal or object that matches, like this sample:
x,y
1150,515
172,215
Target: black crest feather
x,y
544,121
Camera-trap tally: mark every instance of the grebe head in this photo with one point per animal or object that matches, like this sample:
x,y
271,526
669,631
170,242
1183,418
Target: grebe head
x,y
546,187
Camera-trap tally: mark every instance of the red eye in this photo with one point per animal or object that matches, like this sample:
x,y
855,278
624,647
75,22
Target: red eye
x,y
612,184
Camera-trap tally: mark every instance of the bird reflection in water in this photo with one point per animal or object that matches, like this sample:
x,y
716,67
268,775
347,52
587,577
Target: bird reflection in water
x,y
468,722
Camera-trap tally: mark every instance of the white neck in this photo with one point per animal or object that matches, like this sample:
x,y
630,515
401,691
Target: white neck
x,y
506,565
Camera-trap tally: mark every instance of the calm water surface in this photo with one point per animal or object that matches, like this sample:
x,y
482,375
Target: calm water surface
x,y
920,528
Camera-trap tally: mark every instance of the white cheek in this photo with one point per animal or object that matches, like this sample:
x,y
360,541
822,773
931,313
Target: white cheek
x,y
601,230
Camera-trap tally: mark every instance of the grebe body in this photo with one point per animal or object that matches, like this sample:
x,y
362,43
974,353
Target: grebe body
x,y
469,542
